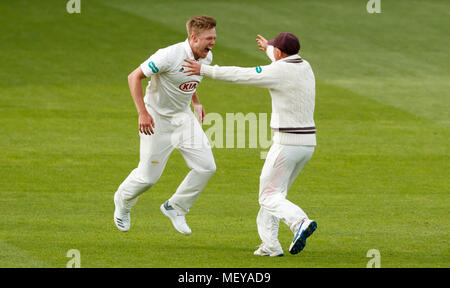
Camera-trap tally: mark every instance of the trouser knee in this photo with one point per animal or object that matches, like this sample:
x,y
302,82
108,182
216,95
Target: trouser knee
x,y
208,169
134,186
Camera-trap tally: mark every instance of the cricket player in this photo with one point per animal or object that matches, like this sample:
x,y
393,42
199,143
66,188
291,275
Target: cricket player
x,y
291,83
166,122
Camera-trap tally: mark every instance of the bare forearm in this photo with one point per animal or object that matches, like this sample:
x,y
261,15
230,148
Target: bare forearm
x,y
195,99
134,82
137,94
146,123
198,108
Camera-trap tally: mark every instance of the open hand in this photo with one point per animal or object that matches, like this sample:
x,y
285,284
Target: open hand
x,y
194,67
146,123
262,43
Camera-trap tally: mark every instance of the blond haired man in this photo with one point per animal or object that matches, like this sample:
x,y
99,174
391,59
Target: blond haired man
x,y
166,122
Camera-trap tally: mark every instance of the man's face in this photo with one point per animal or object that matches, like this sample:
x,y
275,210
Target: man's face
x,y
202,43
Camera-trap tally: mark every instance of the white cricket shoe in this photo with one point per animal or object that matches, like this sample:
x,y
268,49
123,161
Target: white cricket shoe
x,y
121,215
178,221
307,227
262,251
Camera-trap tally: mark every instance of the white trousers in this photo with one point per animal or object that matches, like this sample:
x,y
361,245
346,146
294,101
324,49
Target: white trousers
x,y
283,164
185,134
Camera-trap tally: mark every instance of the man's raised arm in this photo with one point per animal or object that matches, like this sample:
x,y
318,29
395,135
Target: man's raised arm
x,y
265,47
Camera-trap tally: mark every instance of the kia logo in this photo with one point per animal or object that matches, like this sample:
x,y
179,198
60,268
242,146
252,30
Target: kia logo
x,y
188,86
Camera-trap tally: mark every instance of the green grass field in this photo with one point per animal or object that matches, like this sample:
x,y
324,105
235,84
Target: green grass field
x,y
68,126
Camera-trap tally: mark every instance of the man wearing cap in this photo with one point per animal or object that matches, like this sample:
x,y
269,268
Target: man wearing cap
x,y
291,83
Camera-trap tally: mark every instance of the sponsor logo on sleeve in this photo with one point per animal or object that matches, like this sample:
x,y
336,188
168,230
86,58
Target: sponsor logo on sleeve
x,y
153,67
258,69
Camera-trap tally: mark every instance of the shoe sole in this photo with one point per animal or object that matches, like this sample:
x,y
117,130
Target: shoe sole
x,y
266,255
163,210
116,220
300,242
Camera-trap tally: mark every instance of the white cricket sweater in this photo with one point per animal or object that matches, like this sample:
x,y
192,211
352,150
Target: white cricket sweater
x,y
291,84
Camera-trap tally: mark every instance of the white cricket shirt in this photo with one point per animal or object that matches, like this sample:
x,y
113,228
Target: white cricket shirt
x,y
169,91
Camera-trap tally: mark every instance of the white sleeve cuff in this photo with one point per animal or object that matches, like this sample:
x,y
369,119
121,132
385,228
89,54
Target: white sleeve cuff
x,y
144,67
207,70
269,52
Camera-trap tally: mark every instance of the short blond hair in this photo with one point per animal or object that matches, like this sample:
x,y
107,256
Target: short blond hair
x,y
199,23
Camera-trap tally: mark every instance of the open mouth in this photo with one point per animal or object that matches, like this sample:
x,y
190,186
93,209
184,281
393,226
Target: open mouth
x,y
207,49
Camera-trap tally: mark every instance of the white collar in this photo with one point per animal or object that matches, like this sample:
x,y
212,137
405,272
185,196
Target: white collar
x,y
188,49
295,56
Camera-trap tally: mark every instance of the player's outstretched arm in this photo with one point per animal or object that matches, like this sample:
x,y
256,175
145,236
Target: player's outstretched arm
x,y
146,123
261,76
